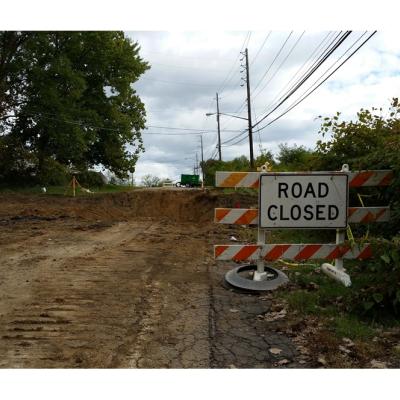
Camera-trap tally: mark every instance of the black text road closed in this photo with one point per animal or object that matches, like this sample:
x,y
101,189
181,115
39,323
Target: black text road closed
x,y
314,200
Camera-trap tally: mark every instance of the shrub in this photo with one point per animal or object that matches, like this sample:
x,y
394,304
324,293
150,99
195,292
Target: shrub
x,y
90,178
376,284
370,142
52,173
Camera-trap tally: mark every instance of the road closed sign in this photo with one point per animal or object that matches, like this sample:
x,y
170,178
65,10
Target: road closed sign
x,y
313,200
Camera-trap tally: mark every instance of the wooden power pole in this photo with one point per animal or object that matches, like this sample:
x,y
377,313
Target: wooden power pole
x,y
219,132
202,160
249,110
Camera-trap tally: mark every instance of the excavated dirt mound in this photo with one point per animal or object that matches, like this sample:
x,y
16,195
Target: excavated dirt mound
x,y
175,205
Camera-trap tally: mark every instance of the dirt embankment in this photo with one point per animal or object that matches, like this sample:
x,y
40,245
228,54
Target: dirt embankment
x,y
175,205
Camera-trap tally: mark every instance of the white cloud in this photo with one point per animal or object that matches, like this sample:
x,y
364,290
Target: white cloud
x,y
201,62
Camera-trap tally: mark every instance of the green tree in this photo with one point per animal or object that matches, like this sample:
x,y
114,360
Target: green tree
x,y
370,142
77,105
12,73
294,158
211,166
265,156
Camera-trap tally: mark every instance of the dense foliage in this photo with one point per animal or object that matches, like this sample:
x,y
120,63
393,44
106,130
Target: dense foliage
x,y
370,142
67,101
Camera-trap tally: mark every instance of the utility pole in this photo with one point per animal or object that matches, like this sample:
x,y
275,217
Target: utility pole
x,y
249,110
197,165
202,160
219,131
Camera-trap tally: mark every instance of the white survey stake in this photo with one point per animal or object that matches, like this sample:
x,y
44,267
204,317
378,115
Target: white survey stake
x,y
309,200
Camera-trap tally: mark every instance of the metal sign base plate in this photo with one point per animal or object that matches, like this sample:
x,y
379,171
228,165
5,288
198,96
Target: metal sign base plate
x,y
237,279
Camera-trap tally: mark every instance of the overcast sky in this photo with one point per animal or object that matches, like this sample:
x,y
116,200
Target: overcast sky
x,y
188,68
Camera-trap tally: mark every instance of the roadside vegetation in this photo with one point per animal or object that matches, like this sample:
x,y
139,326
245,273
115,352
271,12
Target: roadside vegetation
x,y
372,304
67,104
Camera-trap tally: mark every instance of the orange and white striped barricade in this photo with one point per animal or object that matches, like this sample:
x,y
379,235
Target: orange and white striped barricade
x,y
249,216
251,179
338,182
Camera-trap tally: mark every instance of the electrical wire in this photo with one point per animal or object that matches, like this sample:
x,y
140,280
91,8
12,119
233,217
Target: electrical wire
x,y
234,137
188,129
83,124
309,74
239,141
177,83
261,47
279,67
178,56
174,134
230,73
243,105
185,67
273,61
314,64
280,93
316,87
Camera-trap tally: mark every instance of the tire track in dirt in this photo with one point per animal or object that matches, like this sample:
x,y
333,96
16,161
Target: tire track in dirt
x,y
70,308
143,293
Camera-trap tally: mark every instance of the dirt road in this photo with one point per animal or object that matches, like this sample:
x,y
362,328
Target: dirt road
x,y
125,281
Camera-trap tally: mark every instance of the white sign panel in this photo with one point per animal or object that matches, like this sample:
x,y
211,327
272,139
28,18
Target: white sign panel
x,y
315,200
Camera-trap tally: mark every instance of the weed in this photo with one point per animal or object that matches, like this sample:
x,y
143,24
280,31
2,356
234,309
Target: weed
x,y
351,327
302,301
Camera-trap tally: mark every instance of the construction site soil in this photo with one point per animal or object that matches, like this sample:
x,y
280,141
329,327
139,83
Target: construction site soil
x,y
128,280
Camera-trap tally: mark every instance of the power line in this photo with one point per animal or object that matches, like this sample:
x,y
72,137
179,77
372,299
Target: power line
x,y
177,83
280,66
87,125
178,56
235,137
243,105
185,67
279,96
230,73
316,87
226,80
188,129
273,61
314,64
261,47
308,75
80,123
174,134
239,141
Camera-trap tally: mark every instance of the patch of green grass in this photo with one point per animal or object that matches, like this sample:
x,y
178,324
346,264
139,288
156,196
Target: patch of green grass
x,y
302,301
244,191
303,236
352,327
114,189
316,294
64,190
396,352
